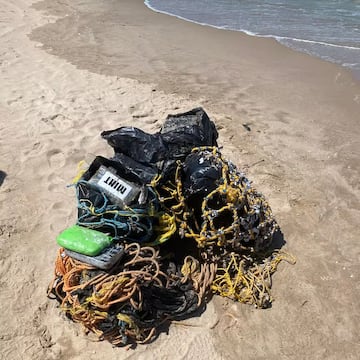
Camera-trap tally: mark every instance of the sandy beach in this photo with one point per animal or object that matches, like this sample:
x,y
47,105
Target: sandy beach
x,y
71,69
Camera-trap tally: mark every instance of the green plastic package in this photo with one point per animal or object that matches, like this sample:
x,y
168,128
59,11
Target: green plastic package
x,y
83,240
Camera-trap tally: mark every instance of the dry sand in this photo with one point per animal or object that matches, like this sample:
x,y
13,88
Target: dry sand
x,y
104,64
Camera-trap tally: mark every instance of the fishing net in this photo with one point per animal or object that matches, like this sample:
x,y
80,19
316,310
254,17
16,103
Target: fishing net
x,y
227,211
197,229
231,223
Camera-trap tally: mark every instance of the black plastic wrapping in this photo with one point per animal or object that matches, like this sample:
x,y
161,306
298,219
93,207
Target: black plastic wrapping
x,y
178,136
182,132
137,144
200,176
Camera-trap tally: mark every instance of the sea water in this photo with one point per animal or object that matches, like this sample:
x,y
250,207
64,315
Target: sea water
x,y
328,29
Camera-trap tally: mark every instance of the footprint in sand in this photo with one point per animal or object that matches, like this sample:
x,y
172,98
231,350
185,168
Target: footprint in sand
x,y
55,158
56,183
282,117
64,214
32,151
87,141
140,110
58,122
15,100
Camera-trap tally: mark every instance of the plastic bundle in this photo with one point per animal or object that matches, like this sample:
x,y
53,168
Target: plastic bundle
x,y
179,134
188,222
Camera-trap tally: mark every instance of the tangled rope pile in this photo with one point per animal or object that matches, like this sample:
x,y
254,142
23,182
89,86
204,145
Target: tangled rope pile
x,y
130,301
202,230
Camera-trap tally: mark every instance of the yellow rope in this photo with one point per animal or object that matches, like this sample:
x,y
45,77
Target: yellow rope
x,y
249,283
81,169
165,229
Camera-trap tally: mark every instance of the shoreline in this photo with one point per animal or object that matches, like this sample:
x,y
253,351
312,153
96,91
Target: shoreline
x,y
103,37
71,69
354,73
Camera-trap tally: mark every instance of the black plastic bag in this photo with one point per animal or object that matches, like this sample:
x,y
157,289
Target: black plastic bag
x,y
137,144
182,132
179,135
134,169
200,176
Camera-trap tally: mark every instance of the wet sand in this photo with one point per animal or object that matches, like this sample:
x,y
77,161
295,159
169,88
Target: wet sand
x,y
70,69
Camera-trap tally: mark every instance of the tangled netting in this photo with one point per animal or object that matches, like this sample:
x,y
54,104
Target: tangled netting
x,y
232,215
212,234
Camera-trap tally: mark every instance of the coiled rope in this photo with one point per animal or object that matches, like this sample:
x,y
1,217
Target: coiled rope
x,y
119,305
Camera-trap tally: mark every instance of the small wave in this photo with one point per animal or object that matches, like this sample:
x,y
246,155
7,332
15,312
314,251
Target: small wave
x,y
327,52
323,43
225,27
247,32
146,2
351,65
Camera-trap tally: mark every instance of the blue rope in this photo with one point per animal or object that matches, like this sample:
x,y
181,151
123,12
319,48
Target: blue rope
x,y
133,224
